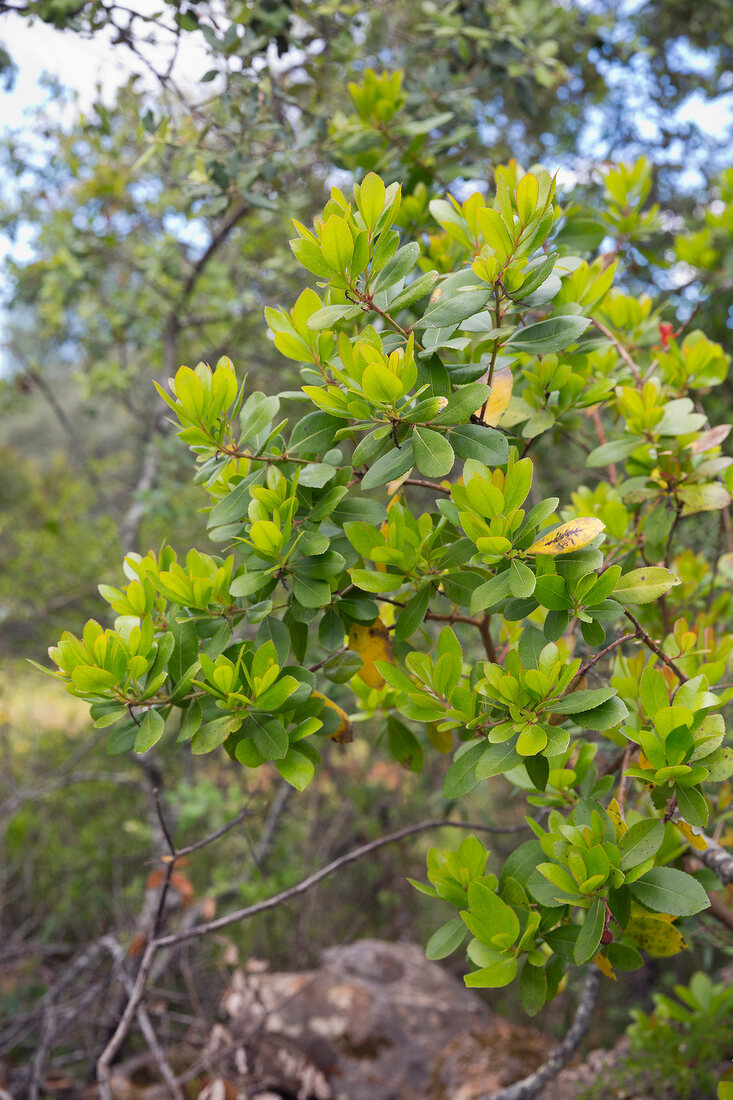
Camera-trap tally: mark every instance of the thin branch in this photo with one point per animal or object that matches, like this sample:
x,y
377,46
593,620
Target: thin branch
x,y
243,813
584,668
325,872
650,644
532,1086
620,349
426,485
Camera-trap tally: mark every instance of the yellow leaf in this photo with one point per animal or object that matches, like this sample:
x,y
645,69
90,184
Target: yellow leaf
x,y
693,839
614,812
644,761
345,732
395,486
656,935
569,536
604,966
372,643
501,391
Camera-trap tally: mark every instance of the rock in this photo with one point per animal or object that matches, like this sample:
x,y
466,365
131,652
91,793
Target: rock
x,y
375,1021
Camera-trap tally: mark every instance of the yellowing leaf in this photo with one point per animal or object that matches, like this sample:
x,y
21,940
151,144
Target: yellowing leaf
x,y
395,486
502,385
695,840
614,812
372,643
656,935
604,966
345,732
569,536
645,762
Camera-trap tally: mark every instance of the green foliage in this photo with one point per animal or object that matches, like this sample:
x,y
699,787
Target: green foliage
x,y
337,561
685,1041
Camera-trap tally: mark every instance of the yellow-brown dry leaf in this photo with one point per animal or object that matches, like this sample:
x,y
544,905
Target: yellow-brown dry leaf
x,y
569,536
604,966
372,643
502,385
656,935
345,732
693,839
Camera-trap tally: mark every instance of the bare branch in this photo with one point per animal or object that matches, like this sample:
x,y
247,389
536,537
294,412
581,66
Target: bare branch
x,y
325,872
531,1086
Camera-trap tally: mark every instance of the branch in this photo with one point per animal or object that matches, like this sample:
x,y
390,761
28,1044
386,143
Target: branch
x,y
596,658
620,349
318,876
650,644
426,485
718,859
531,1086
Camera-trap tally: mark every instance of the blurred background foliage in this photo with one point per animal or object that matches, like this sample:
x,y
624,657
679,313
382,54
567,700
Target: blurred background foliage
x,y
151,229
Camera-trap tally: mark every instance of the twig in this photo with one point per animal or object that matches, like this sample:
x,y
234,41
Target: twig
x,y
596,658
484,627
312,880
650,644
243,813
426,484
559,1057
620,349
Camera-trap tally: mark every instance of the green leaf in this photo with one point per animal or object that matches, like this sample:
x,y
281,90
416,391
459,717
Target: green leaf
x,y
692,804
641,842
371,581
464,403
296,768
501,973
337,244
150,730
490,593
451,311
482,444
269,737
545,337
589,938
212,734
578,701
666,890
274,697
316,474
532,988
497,759
521,580
401,264
413,615
604,717
313,434
381,385
389,467
255,418
359,509
311,592
644,585
615,451
413,292
490,914
446,940
461,775
433,453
